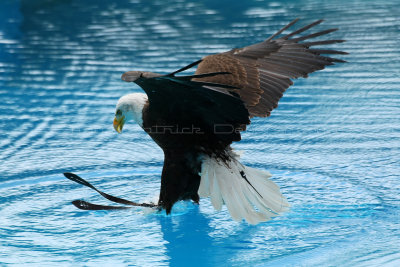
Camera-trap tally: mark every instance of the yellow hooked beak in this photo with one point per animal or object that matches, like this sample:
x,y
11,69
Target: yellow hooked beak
x,y
119,123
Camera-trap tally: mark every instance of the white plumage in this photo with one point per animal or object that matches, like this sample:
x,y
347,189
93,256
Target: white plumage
x,y
247,192
132,105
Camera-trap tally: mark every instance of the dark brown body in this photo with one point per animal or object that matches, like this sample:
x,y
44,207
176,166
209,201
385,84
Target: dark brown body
x,y
182,161
184,143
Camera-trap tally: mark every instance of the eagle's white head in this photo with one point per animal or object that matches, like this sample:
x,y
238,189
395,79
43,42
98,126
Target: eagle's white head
x,y
129,107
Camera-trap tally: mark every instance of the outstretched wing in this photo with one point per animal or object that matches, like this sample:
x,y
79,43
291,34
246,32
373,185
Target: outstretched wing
x,y
230,87
263,71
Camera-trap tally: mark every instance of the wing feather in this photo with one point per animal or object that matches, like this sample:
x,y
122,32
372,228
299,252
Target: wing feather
x,y
263,71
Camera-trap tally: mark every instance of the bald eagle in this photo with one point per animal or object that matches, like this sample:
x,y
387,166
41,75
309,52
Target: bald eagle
x,y
195,119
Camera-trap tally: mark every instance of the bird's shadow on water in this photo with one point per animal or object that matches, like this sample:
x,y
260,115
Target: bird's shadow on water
x,y
197,237
188,236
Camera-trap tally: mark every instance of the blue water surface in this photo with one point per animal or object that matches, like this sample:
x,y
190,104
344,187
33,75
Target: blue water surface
x,y
333,145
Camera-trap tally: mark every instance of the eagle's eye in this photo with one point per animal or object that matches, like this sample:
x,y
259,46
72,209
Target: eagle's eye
x,y
118,113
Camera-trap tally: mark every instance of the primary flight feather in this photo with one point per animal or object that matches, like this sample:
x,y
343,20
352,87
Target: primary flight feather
x,y
195,119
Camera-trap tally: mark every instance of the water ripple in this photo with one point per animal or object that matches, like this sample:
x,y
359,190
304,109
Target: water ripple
x,y
332,145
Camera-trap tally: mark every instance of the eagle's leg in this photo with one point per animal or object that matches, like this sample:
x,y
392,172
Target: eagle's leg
x,y
180,178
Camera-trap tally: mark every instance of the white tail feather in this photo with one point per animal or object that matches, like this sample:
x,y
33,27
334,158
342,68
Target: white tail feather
x,y
247,192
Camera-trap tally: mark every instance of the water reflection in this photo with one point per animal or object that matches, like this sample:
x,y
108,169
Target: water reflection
x,y
188,240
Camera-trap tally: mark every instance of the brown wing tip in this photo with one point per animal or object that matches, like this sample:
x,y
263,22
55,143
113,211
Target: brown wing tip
x,y
131,76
